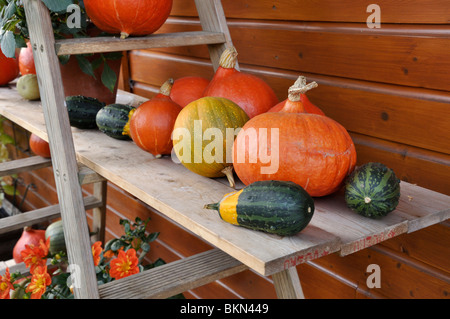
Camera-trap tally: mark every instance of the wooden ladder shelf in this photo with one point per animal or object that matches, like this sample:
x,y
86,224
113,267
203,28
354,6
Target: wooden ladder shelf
x,y
212,265
171,189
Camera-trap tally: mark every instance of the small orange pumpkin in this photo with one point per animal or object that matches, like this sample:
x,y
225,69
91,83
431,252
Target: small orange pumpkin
x,y
151,124
26,60
9,69
29,237
250,92
39,146
188,89
128,17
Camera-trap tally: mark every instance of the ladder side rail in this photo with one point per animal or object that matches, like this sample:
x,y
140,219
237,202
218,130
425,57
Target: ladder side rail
x,y
62,148
212,18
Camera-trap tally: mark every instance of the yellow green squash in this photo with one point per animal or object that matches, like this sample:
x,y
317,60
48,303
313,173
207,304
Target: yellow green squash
x,y
276,207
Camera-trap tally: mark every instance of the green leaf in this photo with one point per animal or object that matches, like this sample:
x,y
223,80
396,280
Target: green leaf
x,y
9,10
109,78
63,59
8,44
113,55
6,139
10,190
57,5
85,65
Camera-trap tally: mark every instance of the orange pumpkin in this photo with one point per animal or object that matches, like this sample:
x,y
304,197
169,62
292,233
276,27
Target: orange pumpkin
x,y
188,89
9,69
26,60
128,17
309,107
250,92
29,237
39,146
151,124
311,150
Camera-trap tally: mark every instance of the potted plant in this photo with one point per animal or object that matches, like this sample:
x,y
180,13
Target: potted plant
x,y
69,19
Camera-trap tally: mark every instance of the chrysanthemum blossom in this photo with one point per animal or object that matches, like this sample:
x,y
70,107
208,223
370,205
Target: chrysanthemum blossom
x,y
34,256
126,264
5,285
39,282
96,252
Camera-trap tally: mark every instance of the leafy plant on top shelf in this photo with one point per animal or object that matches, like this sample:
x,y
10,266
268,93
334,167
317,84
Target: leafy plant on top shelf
x,y
68,19
121,257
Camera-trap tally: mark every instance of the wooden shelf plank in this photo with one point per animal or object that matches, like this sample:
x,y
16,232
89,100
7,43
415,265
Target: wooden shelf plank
x,y
173,278
112,44
23,165
39,215
180,195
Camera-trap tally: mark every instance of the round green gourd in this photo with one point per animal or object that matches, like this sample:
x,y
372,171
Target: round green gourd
x,y
276,207
56,233
112,119
82,111
372,190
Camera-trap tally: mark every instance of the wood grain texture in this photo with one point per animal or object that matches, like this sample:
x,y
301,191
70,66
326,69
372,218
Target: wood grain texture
x,y
61,143
405,11
400,58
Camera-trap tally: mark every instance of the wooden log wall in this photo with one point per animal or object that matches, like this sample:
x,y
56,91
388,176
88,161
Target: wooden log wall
x,y
388,86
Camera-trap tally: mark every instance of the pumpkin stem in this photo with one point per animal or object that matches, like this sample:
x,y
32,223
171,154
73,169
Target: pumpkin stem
x,y
300,87
228,171
27,228
214,206
166,87
124,35
228,58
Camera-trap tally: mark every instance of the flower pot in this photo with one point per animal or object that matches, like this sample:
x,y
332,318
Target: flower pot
x,y
76,82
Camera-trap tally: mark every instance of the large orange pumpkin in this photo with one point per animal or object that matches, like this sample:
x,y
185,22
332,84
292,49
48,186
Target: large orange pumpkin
x,y
26,60
39,146
250,92
151,124
128,17
311,150
9,69
188,89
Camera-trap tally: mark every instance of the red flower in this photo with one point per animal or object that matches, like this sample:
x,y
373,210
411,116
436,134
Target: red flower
x,y
39,282
96,252
126,264
35,256
5,285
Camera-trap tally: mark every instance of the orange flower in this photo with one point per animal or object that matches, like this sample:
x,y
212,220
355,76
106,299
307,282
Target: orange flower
x,y
5,285
126,264
35,256
96,252
39,282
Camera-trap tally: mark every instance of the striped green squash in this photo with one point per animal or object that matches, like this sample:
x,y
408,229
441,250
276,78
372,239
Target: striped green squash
x,y
372,190
276,207
112,119
56,233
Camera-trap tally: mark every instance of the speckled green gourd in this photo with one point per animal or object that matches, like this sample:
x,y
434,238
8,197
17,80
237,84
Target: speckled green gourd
x,y
112,119
372,190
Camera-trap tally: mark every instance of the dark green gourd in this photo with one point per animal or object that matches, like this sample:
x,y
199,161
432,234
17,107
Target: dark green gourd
x,y
82,111
372,190
112,119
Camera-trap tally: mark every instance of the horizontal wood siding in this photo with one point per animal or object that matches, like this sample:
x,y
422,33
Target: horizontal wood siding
x,y
389,87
